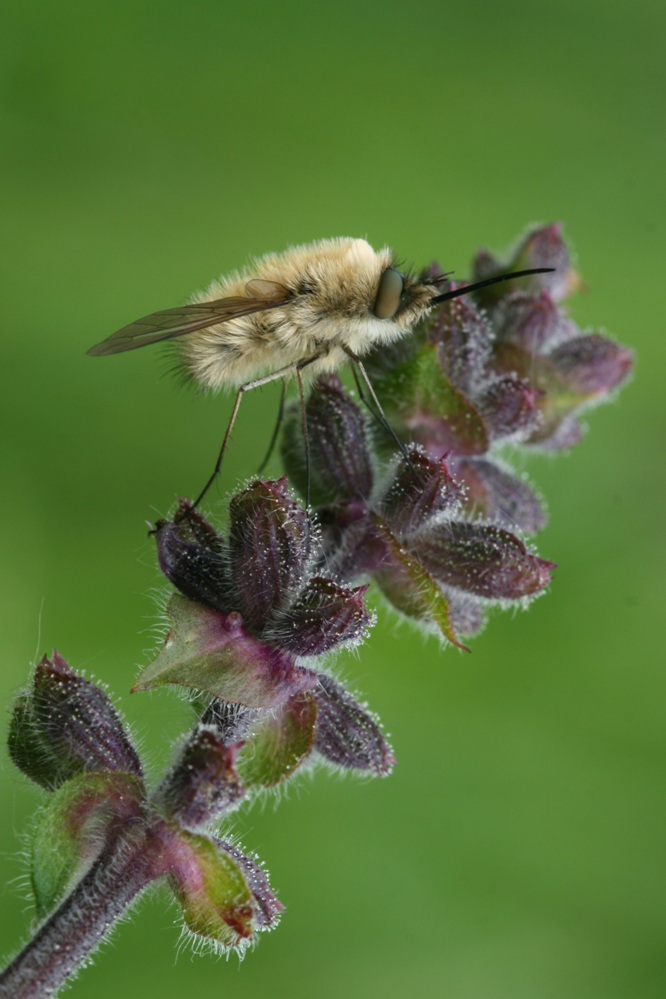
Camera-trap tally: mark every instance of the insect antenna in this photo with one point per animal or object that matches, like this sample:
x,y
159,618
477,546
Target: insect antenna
x,y
457,292
439,278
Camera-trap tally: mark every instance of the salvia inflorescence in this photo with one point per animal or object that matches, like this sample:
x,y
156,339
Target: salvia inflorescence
x,y
442,531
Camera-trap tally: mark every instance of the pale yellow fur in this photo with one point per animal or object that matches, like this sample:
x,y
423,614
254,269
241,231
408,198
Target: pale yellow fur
x,y
334,283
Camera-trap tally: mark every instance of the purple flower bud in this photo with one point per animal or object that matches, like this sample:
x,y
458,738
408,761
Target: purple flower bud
x,y
466,612
591,365
66,725
531,322
486,264
410,504
340,464
500,496
361,551
271,550
347,734
463,336
191,556
203,783
484,560
325,616
509,407
543,246
558,434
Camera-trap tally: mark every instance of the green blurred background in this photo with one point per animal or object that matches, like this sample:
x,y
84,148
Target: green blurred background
x,y
517,851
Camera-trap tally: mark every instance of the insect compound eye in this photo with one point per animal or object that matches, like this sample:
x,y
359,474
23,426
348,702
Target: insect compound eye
x,y
391,286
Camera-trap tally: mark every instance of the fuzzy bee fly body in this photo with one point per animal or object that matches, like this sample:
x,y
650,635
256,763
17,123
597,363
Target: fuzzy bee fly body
x,y
312,308
316,302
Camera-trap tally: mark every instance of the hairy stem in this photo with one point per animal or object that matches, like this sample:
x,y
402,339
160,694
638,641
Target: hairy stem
x,y
86,916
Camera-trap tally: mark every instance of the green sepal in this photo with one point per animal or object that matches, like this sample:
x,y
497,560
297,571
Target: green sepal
x,y
213,652
410,588
212,890
31,753
279,744
72,827
417,391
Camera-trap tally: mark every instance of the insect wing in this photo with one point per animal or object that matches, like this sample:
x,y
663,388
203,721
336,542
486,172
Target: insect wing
x,y
260,288
171,323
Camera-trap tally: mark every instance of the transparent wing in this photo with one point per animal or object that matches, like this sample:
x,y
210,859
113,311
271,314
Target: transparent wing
x,y
170,323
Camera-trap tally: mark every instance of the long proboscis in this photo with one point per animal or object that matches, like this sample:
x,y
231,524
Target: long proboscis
x,y
457,292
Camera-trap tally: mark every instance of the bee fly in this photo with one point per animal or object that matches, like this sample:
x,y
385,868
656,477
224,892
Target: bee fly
x,y
311,308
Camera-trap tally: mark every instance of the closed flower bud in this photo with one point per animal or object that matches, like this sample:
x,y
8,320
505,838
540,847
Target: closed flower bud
x,y
543,246
486,561
463,336
410,504
270,549
466,612
347,734
531,322
509,408
224,896
191,556
66,725
591,365
499,495
267,907
325,616
203,782
340,463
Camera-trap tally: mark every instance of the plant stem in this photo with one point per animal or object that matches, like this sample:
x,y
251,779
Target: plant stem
x,y
78,926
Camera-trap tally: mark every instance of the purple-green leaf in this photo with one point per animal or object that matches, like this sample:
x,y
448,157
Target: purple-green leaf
x,y
435,413
73,826
213,892
280,742
214,652
411,589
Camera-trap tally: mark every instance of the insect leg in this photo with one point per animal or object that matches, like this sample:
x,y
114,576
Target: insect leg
x,y
306,439
247,387
378,412
276,428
